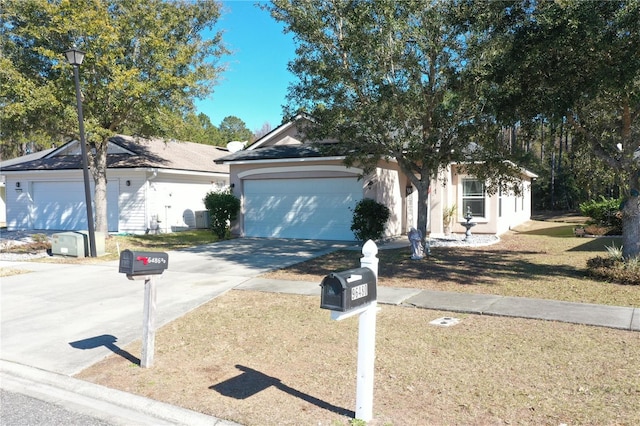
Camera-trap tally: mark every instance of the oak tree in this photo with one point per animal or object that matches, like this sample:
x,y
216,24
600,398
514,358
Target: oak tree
x,y
146,61
387,80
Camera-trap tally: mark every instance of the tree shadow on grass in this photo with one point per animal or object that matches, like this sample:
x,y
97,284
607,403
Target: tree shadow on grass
x,y
460,266
251,382
598,244
470,267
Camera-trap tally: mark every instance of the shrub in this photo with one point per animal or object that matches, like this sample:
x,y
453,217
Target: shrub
x,y
223,207
369,219
604,212
615,269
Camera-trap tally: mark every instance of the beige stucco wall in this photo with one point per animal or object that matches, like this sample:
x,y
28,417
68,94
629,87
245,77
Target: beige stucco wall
x,y
502,212
385,185
388,188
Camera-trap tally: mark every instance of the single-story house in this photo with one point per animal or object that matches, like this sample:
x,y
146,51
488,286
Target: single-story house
x,y
152,185
289,189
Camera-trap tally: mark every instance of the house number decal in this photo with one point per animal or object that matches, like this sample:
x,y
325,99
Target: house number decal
x,y
359,291
148,260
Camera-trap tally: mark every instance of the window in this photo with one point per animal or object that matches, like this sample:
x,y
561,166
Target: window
x,y
473,197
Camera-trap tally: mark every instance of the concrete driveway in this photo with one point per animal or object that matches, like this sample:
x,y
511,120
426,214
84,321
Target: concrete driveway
x,y
64,318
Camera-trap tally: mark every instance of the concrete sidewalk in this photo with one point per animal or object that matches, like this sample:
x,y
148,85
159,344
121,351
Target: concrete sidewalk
x,y
483,304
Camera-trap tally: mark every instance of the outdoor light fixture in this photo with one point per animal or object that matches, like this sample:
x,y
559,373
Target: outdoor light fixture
x,y
128,183
75,58
17,184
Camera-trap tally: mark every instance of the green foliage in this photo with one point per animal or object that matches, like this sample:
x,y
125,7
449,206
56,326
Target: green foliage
x,y
146,62
387,80
605,211
369,219
195,128
572,68
234,129
223,207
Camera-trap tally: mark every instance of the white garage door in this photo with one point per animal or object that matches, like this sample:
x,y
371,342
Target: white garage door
x,y
60,206
301,208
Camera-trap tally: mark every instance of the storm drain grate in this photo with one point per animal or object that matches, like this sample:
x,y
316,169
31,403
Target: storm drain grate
x,y
445,321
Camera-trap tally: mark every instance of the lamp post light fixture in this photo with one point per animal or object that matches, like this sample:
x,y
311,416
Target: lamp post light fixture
x,y
75,58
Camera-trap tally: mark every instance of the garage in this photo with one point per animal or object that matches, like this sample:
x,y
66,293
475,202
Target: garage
x,y
61,206
319,209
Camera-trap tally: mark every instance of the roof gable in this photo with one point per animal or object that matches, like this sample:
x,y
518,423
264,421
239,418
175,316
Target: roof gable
x,y
286,134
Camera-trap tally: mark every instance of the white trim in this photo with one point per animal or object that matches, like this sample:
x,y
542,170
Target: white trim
x,y
186,172
326,168
286,160
123,169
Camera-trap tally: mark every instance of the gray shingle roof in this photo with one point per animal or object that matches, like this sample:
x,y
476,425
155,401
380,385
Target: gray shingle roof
x,y
153,153
272,153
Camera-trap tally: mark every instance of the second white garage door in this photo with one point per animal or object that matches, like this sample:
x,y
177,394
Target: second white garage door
x,y
319,209
61,206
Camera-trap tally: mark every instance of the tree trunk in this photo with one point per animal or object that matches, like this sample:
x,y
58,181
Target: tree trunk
x,y
423,206
631,227
99,172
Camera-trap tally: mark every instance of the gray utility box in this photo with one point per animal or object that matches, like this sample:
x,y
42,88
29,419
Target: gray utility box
x,y
344,291
75,244
202,219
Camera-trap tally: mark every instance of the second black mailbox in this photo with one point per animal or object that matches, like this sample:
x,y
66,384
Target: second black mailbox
x,y
346,290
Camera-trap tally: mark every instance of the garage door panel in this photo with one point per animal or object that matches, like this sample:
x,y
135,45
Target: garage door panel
x,y
301,208
61,206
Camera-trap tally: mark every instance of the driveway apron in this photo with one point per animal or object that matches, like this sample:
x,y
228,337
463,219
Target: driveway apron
x,y
64,318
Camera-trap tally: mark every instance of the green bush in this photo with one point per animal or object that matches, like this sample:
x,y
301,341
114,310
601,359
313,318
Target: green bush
x,y
369,219
223,207
604,212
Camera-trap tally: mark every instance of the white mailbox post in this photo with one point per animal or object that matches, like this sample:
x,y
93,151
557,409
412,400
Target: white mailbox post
x,y
340,304
139,265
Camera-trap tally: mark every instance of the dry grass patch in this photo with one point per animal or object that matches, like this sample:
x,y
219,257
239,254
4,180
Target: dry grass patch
x,y
266,359
8,272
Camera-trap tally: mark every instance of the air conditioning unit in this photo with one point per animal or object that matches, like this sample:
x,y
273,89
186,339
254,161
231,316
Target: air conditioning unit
x,y
202,219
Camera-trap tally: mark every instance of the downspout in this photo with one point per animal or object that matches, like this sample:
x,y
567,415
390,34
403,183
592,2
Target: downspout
x,y
147,215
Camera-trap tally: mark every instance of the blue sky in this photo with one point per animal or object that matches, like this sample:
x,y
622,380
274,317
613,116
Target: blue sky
x,y
255,84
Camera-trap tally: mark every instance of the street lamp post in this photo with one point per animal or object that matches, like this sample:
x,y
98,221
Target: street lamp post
x,y
75,58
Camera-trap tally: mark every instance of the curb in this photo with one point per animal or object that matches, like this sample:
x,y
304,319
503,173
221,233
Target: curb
x,y
113,406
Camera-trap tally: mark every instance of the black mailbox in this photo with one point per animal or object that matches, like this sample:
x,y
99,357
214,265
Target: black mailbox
x,y
343,291
135,263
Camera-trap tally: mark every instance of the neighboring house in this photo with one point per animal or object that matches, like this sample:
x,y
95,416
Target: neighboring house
x,y
151,185
289,189
3,204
